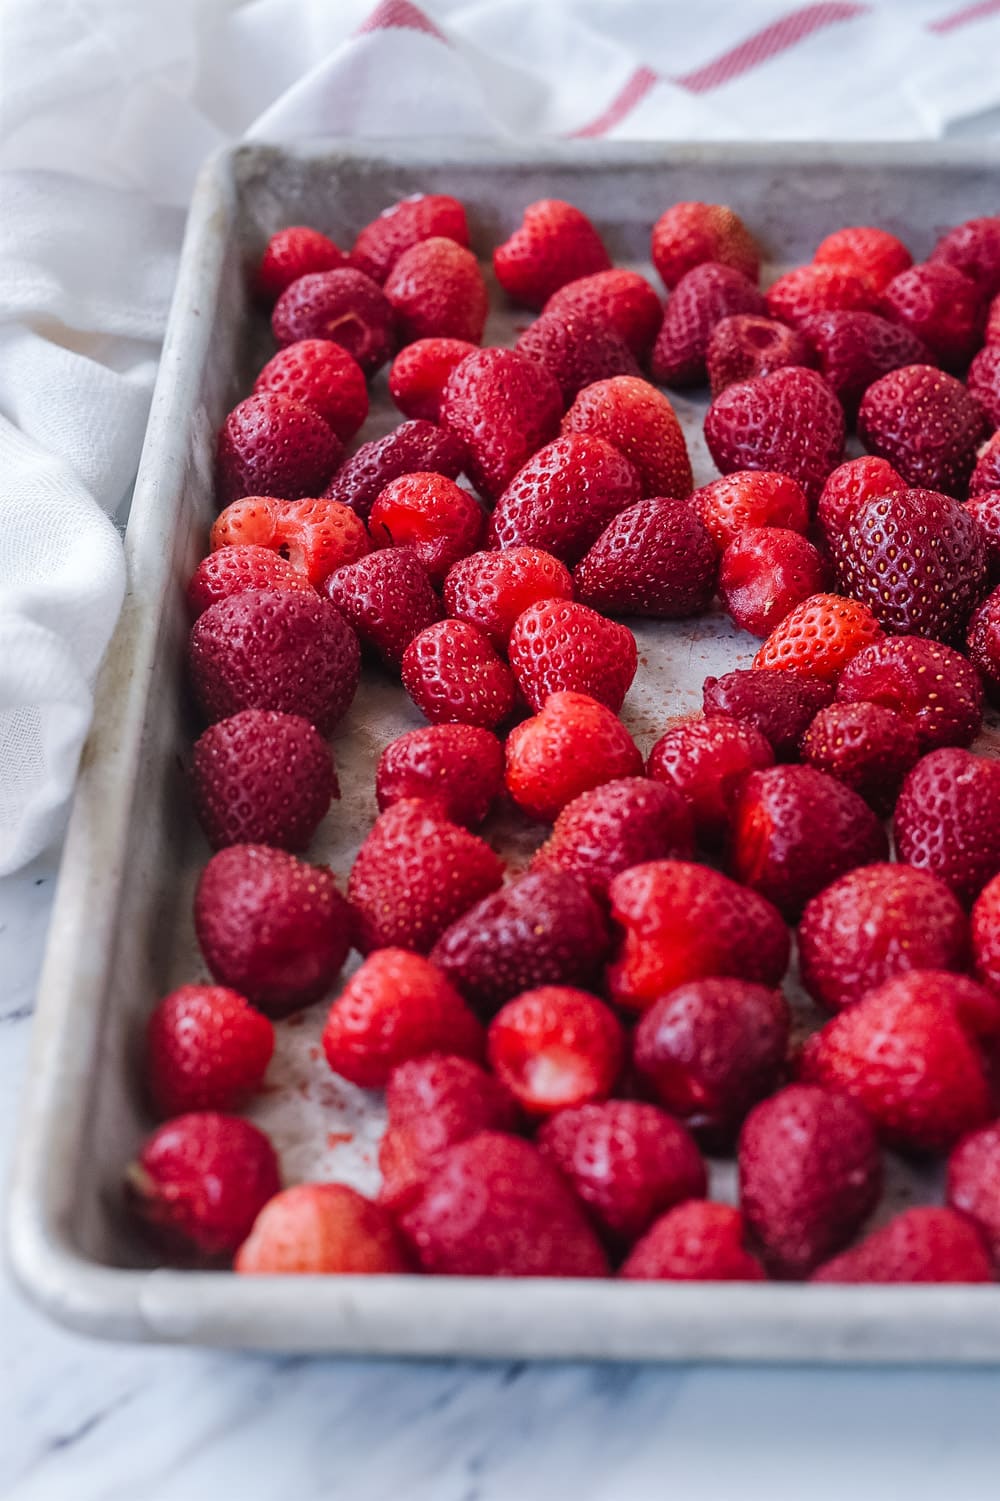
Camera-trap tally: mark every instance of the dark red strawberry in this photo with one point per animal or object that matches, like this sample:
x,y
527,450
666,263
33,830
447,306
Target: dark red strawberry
x,y
974,1184
345,306
820,636
502,408
576,350
459,764
316,536
919,1245
262,778
420,372
810,291
654,559
206,1049
986,510
422,216
940,306
983,644
321,375
292,253
491,589
706,761
615,826
640,422
561,646
788,421
856,349
687,234
272,445
437,291
388,599
571,746
564,497
234,570
746,345
430,513
765,572
701,299
623,300
554,244
866,746
986,475
322,1229
696,1242
849,487
412,448
929,683
974,249
780,704
873,254
948,820
454,676
983,381
926,424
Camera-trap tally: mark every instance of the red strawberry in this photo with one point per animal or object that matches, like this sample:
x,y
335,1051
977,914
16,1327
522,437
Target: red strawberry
x,y
974,1183
855,349
948,819
262,778
576,350
554,244
200,1181
454,676
974,249
992,332
388,599
623,300
572,745
810,1174
849,487
789,421
234,570
927,682
560,646
820,636
272,649
322,376
986,475
502,408
420,372
696,1242
986,935
292,253
555,1047
271,927
986,510
206,1049
926,424
702,298
983,381
412,448
809,291
543,929
626,1162
748,500
873,254
414,875
439,520
396,1007
706,761
746,345
494,1207
491,589
344,306
325,1228
316,536
874,923
983,644
612,827
866,746
685,922
941,306
640,422
437,292
422,216
564,497
779,704
919,1245
765,572
654,559
460,764
272,445
688,234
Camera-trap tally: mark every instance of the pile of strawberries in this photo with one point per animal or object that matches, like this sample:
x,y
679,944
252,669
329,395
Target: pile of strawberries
x,y
560,1045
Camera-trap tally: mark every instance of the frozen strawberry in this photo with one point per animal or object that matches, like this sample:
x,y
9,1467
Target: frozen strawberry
x,y
855,349
920,1245
654,559
323,376
200,1181
345,306
820,636
321,1228
439,520
270,926
873,254
412,448
706,761
206,1049
422,216
926,424
397,1006
543,929
420,372
866,746
491,589
986,475
272,649
986,935
808,291
560,646
983,381
710,1049
974,1184
779,704
974,249
555,1047
746,345
688,234
571,746
685,922
701,299
437,291
626,1162
272,445
234,570
502,408
750,499
992,332
985,508
291,253
948,820
459,764
810,1174
615,826
564,497
941,306
454,676
765,572
554,244
695,1242
929,683
622,300
414,875
849,487
316,536
262,778
494,1207
874,923
576,350
640,422
789,421
388,599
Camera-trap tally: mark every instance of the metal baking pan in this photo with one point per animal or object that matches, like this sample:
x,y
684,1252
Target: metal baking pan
x,y
121,929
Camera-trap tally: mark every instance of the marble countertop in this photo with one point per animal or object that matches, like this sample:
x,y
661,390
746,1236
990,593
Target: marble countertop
x,y
85,1421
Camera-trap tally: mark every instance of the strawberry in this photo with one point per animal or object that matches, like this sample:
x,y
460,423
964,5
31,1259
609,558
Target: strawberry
x,y
810,1174
795,829
272,445
292,253
809,291
422,216
992,331
765,572
986,475
420,372
873,254
543,929
941,306
322,376
750,499
564,497
640,422
874,923
206,1049
986,510
576,350
701,299
706,761
622,823
788,421
986,936
626,1162
948,820
820,636
779,704
454,676
974,1184
974,249
926,424
460,764
414,875
502,407
685,922
696,1242
983,644
654,559
572,745
200,1181
746,345
919,1245
437,291
325,1228
688,234
316,536
622,300
272,649
493,1207
396,1007
388,599
983,381
560,646
270,926
234,570
554,244
849,487
855,349
927,682
866,746
345,306
439,520
491,589
555,1048
412,448
262,778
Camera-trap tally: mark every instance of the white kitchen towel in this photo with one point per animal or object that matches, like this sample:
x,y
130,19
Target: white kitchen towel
x,y
109,106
